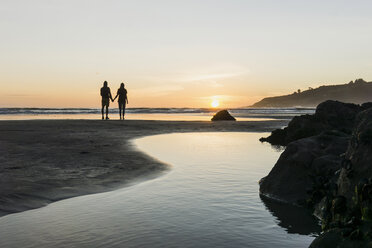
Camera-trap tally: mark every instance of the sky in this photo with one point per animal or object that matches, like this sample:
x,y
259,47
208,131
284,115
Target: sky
x,y
173,53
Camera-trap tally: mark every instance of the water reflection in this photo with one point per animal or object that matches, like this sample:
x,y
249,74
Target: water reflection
x,y
209,198
292,218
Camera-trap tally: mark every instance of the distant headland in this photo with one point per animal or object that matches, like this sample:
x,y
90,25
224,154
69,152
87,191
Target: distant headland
x,y
356,92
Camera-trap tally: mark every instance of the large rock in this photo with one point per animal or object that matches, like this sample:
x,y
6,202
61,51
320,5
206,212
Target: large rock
x,y
330,172
337,115
345,237
329,115
223,115
304,168
355,181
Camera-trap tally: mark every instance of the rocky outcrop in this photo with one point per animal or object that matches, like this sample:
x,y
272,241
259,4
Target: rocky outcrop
x,y
303,166
349,213
223,115
329,173
358,158
329,115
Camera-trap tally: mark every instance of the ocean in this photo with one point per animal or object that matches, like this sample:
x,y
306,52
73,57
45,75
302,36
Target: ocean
x,y
175,114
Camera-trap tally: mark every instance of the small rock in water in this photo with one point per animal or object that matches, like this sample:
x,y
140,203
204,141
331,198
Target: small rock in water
x,y
223,115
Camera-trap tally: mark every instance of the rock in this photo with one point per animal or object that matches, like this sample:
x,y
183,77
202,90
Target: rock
x,y
223,115
335,238
329,115
329,239
330,172
305,165
360,157
356,234
322,209
338,209
337,115
277,137
366,105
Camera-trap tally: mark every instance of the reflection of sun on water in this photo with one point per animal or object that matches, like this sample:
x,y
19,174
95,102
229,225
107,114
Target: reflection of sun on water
x,y
215,103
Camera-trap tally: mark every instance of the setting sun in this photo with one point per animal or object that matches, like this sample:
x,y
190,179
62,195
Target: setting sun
x,y
215,103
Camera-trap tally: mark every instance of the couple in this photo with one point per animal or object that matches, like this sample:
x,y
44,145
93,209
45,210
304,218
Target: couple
x,y
106,96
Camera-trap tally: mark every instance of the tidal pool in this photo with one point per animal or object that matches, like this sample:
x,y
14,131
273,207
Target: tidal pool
x,y
209,198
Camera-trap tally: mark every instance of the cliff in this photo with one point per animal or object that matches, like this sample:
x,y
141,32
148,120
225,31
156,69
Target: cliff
x,y
356,92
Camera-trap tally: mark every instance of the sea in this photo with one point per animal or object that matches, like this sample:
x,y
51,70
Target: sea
x,y
169,114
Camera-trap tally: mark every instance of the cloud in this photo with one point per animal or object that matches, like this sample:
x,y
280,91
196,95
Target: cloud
x,y
217,97
210,77
226,98
213,75
155,91
19,95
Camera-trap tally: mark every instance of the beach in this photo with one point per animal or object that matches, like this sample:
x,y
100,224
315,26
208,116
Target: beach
x,y
43,161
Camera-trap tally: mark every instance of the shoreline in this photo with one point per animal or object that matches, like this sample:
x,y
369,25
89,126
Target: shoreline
x,y
43,161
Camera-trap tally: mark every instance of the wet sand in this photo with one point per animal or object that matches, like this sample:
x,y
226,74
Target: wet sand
x,y
42,161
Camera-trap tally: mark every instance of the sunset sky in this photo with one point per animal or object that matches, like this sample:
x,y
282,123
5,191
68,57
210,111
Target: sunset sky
x,y
171,53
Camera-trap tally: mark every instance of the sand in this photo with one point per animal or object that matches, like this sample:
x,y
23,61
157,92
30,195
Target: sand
x,y
42,161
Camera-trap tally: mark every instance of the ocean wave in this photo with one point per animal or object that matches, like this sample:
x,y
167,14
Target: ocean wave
x,y
71,111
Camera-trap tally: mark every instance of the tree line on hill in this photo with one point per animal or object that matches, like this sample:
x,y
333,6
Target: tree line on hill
x,y
358,91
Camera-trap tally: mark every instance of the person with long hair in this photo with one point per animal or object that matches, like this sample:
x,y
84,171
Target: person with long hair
x,y
123,100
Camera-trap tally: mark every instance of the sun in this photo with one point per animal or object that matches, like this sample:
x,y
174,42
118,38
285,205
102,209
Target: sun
x,y
215,103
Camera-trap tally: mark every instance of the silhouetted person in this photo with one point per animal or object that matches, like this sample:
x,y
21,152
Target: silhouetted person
x,y
106,96
123,99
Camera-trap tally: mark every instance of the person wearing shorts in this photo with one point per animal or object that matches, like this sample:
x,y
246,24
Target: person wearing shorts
x,y
106,96
123,100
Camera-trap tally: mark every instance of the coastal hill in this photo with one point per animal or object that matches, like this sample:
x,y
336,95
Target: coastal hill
x,y
356,92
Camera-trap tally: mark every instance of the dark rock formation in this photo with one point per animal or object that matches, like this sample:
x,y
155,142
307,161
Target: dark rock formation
x,y
358,156
305,164
330,173
329,115
223,115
